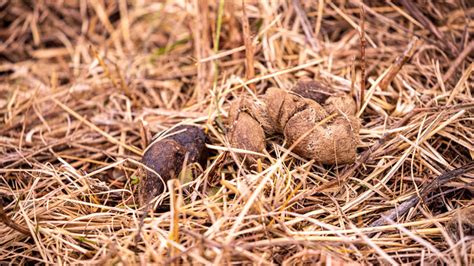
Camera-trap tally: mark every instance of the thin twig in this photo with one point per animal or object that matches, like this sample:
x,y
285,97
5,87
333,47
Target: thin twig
x,y
465,53
305,24
249,49
413,200
363,62
8,222
399,63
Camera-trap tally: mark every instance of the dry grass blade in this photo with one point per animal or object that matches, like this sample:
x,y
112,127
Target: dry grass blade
x,y
305,24
363,62
249,48
398,64
8,222
442,40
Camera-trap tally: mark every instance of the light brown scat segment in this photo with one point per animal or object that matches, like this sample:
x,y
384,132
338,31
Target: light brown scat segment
x,y
304,121
314,111
332,143
291,105
342,142
274,99
256,109
247,134
281,106
341,104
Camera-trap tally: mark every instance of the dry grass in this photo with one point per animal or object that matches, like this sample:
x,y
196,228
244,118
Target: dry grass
x,y
84,84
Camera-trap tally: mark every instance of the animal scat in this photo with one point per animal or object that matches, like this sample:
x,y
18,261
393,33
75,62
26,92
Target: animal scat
x,y
246,133
313,90
299,119
167,156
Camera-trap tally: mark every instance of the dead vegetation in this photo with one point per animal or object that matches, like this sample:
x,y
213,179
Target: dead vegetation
x,y
86,84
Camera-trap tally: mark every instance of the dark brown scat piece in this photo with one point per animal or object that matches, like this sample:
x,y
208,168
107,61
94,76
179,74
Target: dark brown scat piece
x,y
194,140
166,157
312,89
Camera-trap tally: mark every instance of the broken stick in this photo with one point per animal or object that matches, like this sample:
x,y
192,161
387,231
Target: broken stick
x,y
413,200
